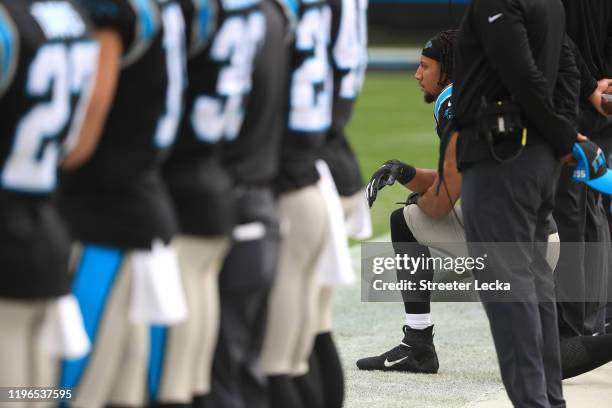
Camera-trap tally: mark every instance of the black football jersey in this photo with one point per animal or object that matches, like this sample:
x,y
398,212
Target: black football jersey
x,y
252,159
48,57
349,61
310,96
45,68
443,112
118,198
224,38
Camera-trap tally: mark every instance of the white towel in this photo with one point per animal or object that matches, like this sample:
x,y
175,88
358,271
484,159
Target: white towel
x,y
157,291
63,334
359,222
334,267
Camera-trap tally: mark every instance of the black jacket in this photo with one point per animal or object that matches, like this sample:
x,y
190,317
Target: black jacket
x,y
510,49
589,25
572,83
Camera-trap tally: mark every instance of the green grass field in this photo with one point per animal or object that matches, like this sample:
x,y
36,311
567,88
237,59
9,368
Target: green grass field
x,y
391,121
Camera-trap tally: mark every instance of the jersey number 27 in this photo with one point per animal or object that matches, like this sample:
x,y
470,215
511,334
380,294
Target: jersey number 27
x,y
58,75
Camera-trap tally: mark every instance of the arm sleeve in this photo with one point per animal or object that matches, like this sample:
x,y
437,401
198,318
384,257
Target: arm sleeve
x,y
588,84
608,48
568,88
506,44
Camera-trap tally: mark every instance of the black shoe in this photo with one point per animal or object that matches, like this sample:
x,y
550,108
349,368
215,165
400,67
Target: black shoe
x,y
415,354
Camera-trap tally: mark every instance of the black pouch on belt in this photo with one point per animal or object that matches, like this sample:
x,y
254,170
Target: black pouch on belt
x,y
501,124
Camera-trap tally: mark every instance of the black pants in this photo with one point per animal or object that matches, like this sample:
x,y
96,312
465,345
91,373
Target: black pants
x,y
596,265
511,203
245,283
597,236
570,213
404,243
607,204
581,277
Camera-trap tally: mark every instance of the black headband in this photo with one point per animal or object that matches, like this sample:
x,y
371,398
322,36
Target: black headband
x,y
433,49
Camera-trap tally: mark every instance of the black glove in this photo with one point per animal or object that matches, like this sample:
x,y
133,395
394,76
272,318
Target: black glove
x,y
386,175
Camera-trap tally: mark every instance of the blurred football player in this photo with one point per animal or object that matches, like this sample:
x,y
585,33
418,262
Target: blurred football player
x,y
248,270
48,64
348,49
118,207
292,307
223,37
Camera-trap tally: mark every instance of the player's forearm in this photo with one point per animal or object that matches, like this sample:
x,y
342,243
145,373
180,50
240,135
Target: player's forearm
x,y
423,180
102,96
440,198
435,203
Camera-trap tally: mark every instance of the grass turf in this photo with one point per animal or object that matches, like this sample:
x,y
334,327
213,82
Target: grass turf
x,y
391,121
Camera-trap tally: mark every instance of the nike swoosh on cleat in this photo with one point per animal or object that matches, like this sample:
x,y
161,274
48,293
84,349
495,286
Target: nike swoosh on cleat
x,y
495,17
390,364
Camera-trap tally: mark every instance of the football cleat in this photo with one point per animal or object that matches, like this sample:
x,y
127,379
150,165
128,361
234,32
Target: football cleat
x,y
415,354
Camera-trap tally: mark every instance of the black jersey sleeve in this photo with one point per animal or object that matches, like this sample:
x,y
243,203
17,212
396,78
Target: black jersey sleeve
x,y
444,113
201,23
503,30
136,21
588,83
113,14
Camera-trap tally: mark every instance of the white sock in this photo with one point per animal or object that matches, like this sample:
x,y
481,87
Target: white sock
x,y
419,321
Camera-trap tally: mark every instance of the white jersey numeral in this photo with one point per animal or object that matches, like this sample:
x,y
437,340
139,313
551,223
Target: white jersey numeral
x,y
351,48
235,45
174,46
311,84
60,72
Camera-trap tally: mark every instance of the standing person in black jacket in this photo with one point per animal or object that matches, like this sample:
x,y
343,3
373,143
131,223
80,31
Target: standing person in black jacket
x,y
589,25
510,50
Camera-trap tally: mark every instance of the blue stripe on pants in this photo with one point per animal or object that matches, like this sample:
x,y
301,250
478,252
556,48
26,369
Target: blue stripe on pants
x,y
156,359
92,286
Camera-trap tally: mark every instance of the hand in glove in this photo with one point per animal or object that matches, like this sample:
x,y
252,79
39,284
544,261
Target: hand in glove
x,y
386,175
